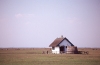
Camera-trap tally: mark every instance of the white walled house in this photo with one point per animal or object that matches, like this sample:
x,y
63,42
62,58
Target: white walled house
x,y
59,45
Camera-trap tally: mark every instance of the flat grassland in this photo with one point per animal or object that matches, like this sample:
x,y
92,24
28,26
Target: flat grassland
x,y
34,56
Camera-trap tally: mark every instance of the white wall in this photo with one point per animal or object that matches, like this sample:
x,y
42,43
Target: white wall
x,y
56,50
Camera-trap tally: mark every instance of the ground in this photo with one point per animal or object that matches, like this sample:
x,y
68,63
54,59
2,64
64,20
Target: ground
x,y
35,56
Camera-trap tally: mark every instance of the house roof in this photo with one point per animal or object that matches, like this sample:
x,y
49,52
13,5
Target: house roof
x,y
57,41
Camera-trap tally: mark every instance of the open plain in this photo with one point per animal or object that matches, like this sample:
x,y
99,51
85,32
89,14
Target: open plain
x,y
38,56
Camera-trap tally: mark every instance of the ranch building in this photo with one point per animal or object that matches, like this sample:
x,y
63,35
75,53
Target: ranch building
x,y
62,45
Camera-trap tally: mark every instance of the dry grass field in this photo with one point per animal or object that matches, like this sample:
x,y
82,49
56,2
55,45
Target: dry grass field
x,y
34,56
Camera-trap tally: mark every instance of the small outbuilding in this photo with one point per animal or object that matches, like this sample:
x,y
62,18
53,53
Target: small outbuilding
x,y
62,45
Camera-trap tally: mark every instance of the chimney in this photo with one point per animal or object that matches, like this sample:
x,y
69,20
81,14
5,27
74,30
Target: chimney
x,y
61,36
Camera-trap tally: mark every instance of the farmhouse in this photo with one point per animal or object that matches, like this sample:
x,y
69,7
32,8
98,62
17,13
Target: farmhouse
x,y
62,45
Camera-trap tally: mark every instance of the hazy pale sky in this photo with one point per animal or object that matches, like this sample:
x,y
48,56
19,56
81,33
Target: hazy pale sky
x,y
36,23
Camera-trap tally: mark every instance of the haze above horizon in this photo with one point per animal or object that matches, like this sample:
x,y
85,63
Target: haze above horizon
x,y
37,23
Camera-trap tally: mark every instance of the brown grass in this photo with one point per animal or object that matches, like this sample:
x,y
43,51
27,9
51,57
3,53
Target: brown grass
x,y
34,56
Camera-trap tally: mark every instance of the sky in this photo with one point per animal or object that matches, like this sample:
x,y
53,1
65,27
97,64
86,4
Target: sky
x,y
37,23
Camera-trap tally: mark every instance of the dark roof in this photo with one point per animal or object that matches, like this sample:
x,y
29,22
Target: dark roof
x,y
57,41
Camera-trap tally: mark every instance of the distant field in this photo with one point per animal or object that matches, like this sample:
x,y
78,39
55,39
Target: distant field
x,y
34,56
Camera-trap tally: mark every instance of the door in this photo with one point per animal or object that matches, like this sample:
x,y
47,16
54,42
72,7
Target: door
x,y
62,49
